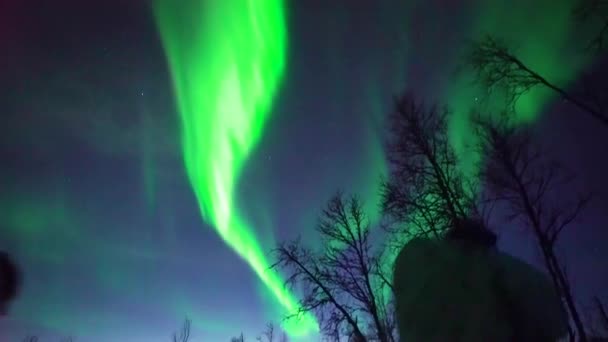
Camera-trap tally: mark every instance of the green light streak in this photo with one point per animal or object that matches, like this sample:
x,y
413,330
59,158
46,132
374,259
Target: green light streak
x,y
226,59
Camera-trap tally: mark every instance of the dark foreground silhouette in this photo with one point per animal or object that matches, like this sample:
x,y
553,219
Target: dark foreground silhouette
x,y
10,281
461,288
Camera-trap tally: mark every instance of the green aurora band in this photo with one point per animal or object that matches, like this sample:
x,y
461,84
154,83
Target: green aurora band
x,y
227,59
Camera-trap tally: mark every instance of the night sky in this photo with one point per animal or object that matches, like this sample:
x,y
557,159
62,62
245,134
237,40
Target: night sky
x,y
95,201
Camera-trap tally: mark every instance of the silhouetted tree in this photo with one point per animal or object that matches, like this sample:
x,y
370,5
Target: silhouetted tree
x,y
240,338
426,190
496,66
518,174
271,335
184,334
268,334
341,282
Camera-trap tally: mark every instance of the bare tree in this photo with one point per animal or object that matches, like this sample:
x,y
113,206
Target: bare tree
x,y
496,66
518,174
341,282
426,190
271,335
184,334
240,338
268,333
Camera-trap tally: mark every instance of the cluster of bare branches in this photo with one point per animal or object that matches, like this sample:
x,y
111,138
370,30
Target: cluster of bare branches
x,y
240,338
518,174
496,66
270,334
342,282
426,189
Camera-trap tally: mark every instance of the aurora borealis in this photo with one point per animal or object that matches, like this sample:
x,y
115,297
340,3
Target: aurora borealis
x,y
226,73
153,153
